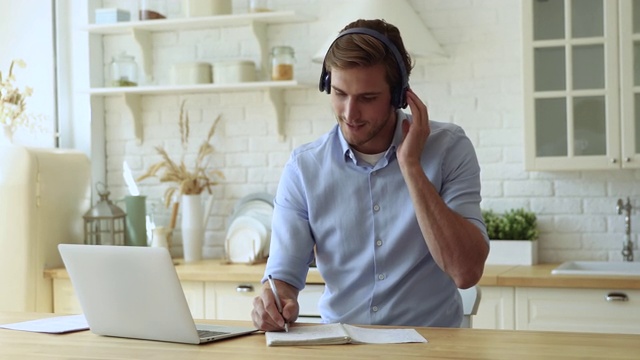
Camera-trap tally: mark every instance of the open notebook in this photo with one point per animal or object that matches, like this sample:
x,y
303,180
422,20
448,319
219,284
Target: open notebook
x,y
134,292
333,334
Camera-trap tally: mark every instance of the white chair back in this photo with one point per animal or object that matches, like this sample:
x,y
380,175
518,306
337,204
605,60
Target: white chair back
x,y
470,302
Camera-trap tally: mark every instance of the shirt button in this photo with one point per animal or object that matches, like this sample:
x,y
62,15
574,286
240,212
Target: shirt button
x,y
379,242
376,207
374,173
375,308
380,276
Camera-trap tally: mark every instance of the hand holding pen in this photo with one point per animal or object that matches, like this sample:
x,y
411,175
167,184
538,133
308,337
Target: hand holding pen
x,y
272,283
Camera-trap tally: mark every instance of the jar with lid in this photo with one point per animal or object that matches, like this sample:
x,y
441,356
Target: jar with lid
x,y
256,6
282,59
124,71
153,9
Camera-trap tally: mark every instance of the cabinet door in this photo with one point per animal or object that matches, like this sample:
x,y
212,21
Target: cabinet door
x,y
194,293
231,301
630,81
65,300
579,310
571,84
496,309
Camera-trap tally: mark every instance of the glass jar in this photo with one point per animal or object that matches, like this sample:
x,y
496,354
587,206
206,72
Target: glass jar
x,y
153,9
256,6
282,59
124,71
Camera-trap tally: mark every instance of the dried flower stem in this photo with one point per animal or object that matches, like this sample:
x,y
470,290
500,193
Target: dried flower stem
x,y
13,102
186,182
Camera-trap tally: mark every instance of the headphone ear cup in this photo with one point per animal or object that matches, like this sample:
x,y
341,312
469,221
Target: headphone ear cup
x,y
402,98
397,98
325,81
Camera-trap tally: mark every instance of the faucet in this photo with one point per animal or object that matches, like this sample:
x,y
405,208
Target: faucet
x,y
627,246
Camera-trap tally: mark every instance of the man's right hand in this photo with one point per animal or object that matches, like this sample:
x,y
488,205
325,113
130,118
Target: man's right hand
x,y
265,314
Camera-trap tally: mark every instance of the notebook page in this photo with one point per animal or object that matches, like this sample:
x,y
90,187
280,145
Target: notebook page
x,y
309,335
383,336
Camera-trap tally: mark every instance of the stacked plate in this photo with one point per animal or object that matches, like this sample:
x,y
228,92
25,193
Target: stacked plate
x,y
249,233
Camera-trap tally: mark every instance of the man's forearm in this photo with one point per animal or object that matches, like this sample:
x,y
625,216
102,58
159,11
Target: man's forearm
x,y
456,245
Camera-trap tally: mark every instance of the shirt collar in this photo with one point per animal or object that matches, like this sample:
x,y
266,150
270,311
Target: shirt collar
x,y
395,142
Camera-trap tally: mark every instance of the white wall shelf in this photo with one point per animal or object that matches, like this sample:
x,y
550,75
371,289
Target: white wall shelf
x,y
141,32
194,89
132,96
273,17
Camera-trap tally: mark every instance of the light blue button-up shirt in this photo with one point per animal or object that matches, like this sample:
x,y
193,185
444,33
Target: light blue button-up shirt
x,y
360,218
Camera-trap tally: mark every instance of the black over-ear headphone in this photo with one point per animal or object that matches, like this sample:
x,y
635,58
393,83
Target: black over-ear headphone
x,y
398,95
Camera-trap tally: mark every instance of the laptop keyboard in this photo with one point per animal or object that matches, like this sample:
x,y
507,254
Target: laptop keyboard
x,y
209,333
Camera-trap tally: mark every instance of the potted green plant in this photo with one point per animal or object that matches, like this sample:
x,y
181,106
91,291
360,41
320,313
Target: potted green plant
x,y
513,236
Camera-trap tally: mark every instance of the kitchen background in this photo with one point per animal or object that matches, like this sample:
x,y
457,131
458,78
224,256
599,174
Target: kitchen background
x,y
478,86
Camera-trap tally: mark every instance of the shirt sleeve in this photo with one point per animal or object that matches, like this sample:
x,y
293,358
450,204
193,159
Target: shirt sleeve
x,y
291,249
461,180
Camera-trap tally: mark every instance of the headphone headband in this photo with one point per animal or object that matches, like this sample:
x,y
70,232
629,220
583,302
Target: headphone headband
x,y
398,96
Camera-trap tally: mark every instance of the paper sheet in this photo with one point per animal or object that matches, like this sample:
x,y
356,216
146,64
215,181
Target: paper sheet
x,y
52,325
383,336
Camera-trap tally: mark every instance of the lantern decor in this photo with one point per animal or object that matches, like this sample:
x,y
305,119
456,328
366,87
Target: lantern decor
x,y
104,224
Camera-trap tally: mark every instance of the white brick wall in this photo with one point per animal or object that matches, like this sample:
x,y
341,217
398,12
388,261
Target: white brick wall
x,y
479,86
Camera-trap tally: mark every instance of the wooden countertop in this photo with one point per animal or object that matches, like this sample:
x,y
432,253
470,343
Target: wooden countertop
x,y
494,275
210,270
540,276
442,344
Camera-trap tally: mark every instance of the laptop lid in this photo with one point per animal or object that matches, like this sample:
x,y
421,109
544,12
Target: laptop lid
x,y
134,292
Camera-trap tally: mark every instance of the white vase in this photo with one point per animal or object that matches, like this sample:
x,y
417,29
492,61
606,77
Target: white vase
x,y
192,227
6,135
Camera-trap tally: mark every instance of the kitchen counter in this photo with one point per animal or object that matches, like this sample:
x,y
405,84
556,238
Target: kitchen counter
x,y
540,276
494,275
443,344
210,270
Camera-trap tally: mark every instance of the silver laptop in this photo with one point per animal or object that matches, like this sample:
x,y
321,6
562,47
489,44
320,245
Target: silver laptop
x,y
134,292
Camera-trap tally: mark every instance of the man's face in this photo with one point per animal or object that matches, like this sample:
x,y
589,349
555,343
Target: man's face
x,y
361,100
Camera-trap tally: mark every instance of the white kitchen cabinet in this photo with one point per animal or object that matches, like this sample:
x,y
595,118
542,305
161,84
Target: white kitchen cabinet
x,y
579,310
194,293
229,300
234,300
207,300
582,84
501,307
141,33
65,300
496,310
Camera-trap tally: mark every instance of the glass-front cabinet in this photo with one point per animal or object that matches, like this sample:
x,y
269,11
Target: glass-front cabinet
x,y
582,84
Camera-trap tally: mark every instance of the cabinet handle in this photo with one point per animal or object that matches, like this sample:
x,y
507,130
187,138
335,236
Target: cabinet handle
x,y
627,159
616,296
614,161
244,288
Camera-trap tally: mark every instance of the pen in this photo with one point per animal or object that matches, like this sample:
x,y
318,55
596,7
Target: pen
x,y
278,304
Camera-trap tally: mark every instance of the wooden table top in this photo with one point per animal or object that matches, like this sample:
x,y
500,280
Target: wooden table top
x,y
494,275
442,344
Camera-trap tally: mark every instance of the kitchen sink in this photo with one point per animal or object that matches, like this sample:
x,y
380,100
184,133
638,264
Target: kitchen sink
x,y
618,268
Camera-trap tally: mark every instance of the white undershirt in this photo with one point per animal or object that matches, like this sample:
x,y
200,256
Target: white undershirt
x,y
370,159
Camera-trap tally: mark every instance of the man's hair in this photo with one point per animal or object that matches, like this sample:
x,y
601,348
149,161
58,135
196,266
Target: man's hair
x,y
357,50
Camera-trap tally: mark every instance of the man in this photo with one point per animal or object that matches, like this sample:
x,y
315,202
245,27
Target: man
x,y
388,202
